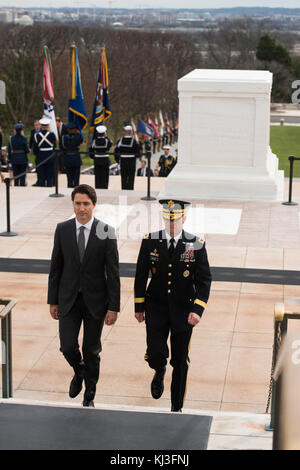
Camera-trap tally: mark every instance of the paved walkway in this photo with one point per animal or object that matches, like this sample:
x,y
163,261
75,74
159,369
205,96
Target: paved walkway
x,y
231,348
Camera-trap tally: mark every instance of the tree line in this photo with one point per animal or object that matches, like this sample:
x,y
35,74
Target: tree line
x,y
144,66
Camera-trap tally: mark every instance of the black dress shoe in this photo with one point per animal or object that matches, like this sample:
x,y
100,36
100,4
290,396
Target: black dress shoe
x,y
157,384
75,386
176,410
88,403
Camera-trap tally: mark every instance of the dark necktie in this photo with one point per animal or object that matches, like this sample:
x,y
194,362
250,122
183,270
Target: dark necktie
x,y
171,246
81,243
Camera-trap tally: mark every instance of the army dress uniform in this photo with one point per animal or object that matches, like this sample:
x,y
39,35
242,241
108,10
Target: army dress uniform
x,y
180,284
70,144
99,153
126,152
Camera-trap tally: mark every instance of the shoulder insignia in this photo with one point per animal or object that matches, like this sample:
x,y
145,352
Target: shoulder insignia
x,y
147,235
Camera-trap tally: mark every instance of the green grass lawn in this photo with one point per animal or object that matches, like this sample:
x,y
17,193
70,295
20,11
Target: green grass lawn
x,y
285,141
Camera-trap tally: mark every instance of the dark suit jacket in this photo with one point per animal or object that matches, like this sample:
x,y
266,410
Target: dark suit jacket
x,y
139,171
98,275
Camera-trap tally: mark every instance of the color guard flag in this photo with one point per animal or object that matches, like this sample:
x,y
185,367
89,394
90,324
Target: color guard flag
x,y
134,130
77,112
153,126
101,110
144,128
48,91
169,130
162,124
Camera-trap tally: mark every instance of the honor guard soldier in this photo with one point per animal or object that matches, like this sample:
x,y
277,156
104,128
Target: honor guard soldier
x,y
70,144
166,162
175,298
99,153
17,154
45,141
126,152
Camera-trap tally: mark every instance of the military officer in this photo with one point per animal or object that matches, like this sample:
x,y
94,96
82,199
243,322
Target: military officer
x,y
175,298
166,162
17,154
126,152
70,144
45,141
99,153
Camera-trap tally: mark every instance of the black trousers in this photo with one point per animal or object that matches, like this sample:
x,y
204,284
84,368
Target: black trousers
x,y
18,169
73,176
158,328
45,173
101,170
128,166
69,327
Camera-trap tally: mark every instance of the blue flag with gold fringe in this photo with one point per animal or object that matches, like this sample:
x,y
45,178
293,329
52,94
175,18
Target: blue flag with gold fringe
x,y
76,112
101,110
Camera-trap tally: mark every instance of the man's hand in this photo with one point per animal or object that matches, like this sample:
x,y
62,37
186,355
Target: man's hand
x,y
193,318
111,317
54,312
140,316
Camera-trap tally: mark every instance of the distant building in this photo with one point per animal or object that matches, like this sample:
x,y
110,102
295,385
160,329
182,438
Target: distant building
x,y
6,16
24,20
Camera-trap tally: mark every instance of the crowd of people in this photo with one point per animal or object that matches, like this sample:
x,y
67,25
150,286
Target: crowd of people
x,y
64,151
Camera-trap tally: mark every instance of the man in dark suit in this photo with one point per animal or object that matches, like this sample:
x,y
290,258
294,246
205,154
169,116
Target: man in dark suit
x,y
32,144
175,298
84,286
144,171
61,131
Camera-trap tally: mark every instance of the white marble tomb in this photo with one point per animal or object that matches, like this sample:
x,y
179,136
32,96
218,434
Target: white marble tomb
x,y
223,139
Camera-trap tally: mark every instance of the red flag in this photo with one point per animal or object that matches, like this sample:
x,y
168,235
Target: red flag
x,y
153,125
167,122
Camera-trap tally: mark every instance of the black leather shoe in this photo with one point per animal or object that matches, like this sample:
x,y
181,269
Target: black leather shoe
x,y
176,410
75,386
157,384
88,403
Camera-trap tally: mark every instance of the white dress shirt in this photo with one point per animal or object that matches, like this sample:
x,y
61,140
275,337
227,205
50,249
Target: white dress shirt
x,y
88,227
175,239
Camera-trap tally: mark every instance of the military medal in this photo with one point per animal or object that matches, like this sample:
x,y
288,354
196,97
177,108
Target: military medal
x,y
154,255
189,253
186,273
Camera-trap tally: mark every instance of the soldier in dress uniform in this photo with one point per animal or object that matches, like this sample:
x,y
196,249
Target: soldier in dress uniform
x,y
99,153
45,141
17,154
70,144
166,162
175,298
126,152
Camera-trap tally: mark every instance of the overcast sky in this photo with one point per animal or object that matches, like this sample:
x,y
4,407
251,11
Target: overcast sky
x,y
151,3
